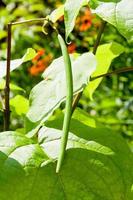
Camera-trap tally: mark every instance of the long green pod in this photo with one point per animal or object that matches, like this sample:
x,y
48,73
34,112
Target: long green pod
x,y
69,100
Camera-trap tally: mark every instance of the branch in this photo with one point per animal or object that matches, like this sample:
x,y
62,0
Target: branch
x,y
101,30
37,20
7,88
118,71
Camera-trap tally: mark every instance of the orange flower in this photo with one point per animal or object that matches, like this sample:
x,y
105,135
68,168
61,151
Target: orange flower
x,y
39,54
71,48
84,22
39,63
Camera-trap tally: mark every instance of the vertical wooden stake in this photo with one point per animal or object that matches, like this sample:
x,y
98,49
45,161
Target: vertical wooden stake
x,y
7,85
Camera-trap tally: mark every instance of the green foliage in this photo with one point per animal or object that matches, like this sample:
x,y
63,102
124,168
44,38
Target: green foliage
x,y
105,54
12,86
71,11
19,105
98,162
105,165
16,63
50,93
118,13
56,14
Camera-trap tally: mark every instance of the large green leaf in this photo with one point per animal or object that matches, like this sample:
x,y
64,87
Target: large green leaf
x,y
95,167
117,12
48,94
16,63
71,11
105,54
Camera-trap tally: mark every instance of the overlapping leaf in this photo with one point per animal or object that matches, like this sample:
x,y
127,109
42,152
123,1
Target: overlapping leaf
x,y
16,63
117,12
48,94
71,11
105,54
95,166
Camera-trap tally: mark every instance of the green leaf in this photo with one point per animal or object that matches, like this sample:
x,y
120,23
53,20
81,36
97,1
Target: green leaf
x,y
56,14
3,34
117,13
48,94
105,54
30,54
95,166
84,117
16,63
20,104
12,86
71,11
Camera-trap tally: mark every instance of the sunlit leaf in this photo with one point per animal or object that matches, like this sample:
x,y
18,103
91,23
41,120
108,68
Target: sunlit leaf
x,y
12,86
94,167
117,12
105,54
71,11
16,63
56,14
19,104
48,94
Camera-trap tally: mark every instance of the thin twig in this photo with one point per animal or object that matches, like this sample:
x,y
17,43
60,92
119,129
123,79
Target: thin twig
x,y
37,20
118,71
101,30
7,88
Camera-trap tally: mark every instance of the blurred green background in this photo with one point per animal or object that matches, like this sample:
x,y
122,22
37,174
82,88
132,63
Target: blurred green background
x,y
112,104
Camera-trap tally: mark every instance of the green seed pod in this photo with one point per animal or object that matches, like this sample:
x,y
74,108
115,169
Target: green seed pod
x,y
69,100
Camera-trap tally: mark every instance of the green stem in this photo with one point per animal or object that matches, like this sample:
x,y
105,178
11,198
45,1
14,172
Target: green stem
x,y
117,71
37,20
69,99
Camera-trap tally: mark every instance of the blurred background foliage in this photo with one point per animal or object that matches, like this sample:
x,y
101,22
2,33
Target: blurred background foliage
x,y
112,104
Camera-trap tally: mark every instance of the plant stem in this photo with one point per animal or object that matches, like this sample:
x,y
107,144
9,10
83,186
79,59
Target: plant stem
x,y
101,30
37,20
7,88
118,71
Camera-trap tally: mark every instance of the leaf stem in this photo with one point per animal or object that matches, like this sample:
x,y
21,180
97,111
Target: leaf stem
x,y
101,30
69,99
37,20
118,71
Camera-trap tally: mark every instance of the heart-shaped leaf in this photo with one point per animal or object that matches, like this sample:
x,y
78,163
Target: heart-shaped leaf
x,y
48,94
94,167
118,13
